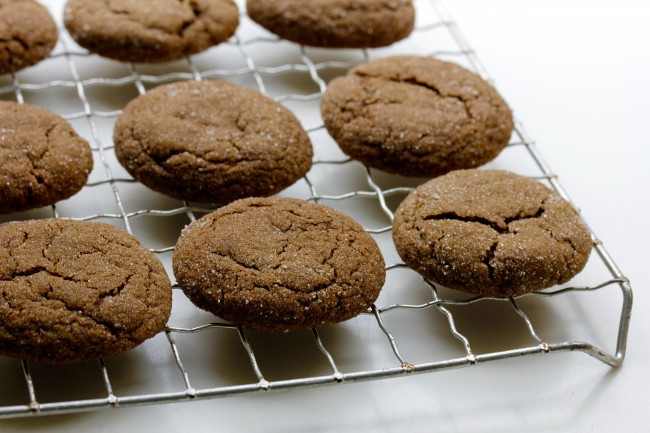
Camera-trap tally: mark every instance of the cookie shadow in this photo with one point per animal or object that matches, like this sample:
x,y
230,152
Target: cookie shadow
x,y
33,214
65,422
215,357
493,325
51,384
290,355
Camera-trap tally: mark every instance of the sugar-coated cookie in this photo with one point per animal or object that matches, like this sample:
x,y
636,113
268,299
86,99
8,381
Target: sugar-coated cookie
x,y
278,264
416,116
490,232
27,34
43,158
211,142
336,23
150,30
74,291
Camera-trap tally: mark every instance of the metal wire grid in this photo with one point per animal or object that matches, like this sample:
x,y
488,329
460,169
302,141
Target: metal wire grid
x,y
402,366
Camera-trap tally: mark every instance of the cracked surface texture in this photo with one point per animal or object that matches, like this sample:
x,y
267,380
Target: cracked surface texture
x,y
279,264
43,160
75,291
151,30
490,232
336,23
416,116
27,34
211,142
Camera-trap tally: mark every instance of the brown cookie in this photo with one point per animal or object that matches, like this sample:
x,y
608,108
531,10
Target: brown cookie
x,y
151,30
27,34
75,291
211,142
279,264
490,232
335,23
43,159
416,116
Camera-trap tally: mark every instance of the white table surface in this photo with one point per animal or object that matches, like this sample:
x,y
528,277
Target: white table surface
x,y
576,74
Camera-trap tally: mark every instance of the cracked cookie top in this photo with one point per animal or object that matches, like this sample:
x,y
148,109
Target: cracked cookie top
x,y
211,142
490,232
416,116
27,34
279,264
43,158
150,30
336,23
75,291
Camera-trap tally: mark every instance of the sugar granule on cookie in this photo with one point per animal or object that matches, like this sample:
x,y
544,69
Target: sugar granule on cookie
x,y
278,264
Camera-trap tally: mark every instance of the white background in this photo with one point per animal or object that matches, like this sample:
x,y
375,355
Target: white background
x,y
576,73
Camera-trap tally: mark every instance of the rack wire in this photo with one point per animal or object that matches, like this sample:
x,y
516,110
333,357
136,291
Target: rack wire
x,y
190,374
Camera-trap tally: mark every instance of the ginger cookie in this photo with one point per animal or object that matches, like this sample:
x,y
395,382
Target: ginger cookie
x,y
74,291
27,34
490,232
336,23
151,30
43,158
278,264
211,142
416,116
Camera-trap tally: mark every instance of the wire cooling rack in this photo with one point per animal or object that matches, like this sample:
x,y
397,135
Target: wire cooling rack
x,y
414,327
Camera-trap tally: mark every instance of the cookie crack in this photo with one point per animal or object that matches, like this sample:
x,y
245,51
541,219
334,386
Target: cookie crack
x,y
25,274
16,38
283,251
196,12
567,261
116,291
499,228
209,125
50,129
38,177
163,161
329,257
251,266
151,272
240,123
112,328
5,298
413,81
282,228
213,223
127,15
351,7
37,270
13,61
451,216
521,217
489,256
24,238
432,243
